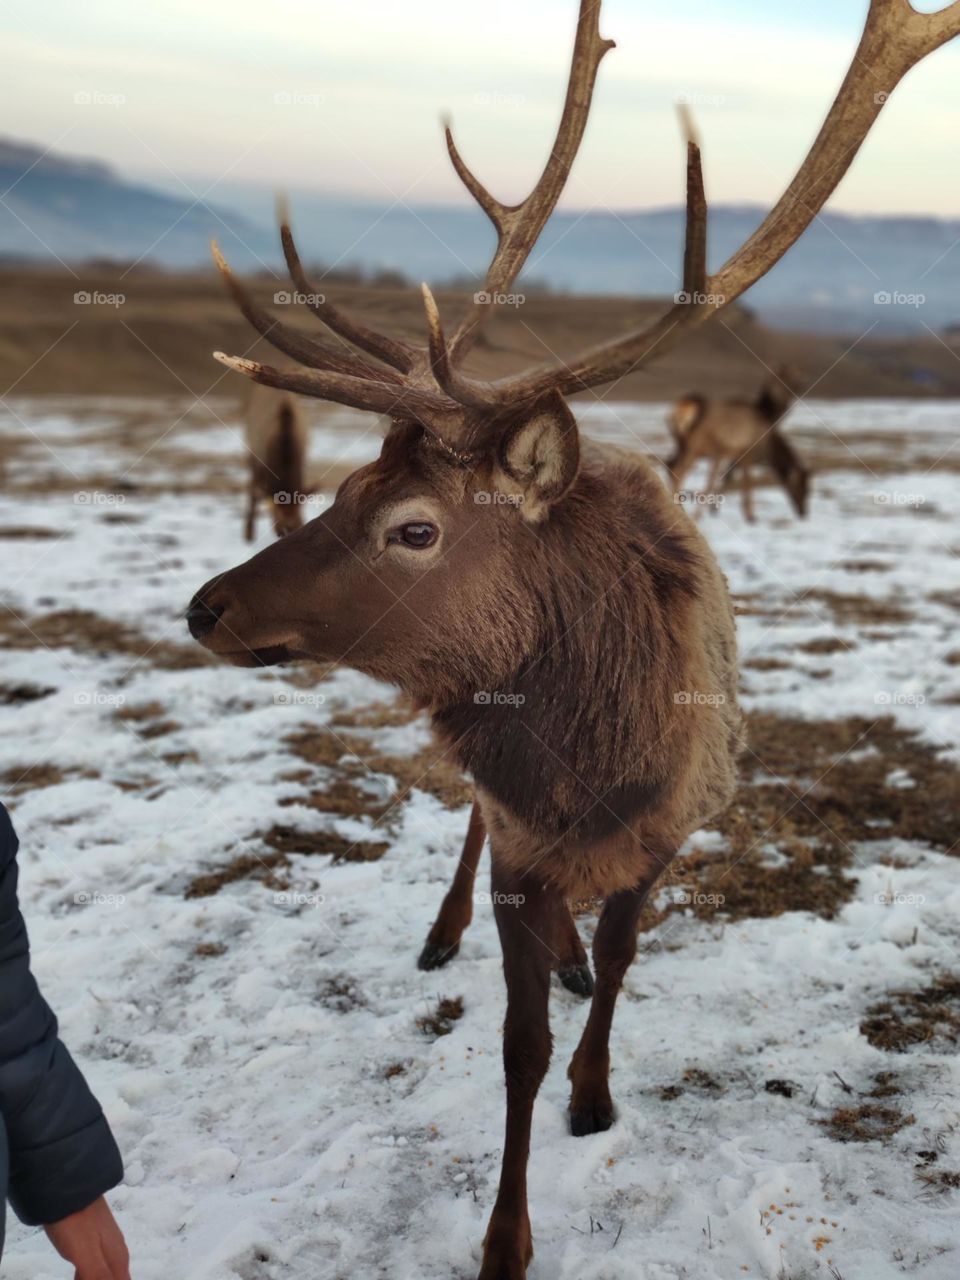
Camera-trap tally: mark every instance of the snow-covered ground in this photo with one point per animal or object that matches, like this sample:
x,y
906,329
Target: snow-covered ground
x,y
282,1114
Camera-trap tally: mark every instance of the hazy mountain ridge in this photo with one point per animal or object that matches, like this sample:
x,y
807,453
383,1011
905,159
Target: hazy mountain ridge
x,y
850,272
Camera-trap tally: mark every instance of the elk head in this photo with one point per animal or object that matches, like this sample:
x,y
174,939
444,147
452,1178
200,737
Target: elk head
x,y
401,575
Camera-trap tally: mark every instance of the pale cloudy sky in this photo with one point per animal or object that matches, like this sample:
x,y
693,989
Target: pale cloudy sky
x,y
345,97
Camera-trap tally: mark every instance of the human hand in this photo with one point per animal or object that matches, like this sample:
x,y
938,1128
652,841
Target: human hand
x,y
92,1242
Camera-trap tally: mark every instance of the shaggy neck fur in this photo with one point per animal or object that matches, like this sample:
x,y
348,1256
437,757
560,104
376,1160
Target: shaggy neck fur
x,y
579,735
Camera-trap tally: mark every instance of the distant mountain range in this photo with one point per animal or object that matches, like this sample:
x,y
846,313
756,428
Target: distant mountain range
x,y
899,274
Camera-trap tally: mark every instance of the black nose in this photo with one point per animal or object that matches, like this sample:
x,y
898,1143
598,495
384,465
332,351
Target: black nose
x,y
202,618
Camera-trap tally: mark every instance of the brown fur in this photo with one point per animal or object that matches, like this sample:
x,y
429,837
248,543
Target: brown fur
x,y
571,635
737,435
276,440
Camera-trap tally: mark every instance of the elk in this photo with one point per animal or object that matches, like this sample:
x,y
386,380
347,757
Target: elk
x,y
736,435
588,603
276,441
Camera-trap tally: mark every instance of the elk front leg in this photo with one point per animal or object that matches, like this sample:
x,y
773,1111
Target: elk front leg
x,y
614,947
573,969
456,910
746,494
528,918
250,527
713,478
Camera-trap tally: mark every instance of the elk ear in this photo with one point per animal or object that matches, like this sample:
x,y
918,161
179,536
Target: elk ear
x,y
539,457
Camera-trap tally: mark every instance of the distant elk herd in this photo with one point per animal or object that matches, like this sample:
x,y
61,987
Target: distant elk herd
x,y
589,602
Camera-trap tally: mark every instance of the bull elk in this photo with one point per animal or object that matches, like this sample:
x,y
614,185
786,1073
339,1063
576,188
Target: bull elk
x,y
276,441
736,435
587,609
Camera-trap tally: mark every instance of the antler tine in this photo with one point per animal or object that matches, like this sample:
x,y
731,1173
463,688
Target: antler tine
x,y
309,351
460,388
393,351
519,226
695,242
895,38
491,206
433,411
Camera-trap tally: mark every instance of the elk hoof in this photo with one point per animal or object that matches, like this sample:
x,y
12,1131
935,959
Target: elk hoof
x,y
592,1119
577,978
435,955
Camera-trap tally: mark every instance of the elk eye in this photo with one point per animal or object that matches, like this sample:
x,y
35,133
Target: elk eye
x,y
419,535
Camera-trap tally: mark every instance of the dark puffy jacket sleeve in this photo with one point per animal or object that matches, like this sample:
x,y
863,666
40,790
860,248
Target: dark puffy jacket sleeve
x,y
62,1153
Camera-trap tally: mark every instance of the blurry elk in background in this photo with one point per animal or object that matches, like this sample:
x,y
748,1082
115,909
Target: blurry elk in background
x,y
276,438
736,435
573,643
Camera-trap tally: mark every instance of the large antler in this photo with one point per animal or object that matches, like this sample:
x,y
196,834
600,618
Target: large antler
x,y
518,226
895,38
425,383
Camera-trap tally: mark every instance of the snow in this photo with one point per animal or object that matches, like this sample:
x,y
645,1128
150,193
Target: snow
x,y
265,1133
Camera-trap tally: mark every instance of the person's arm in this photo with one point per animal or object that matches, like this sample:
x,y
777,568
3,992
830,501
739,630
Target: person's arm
x,y
62,1154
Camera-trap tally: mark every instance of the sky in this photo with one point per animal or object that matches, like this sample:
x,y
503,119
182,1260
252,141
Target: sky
x,y
346,98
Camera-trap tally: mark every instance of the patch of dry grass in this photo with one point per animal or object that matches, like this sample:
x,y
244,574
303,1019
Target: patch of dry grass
x,y
439,1021
88,632
923,1016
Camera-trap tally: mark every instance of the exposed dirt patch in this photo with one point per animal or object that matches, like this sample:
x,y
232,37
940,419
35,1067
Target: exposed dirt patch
x,y
207,949
766,664
87,632
30,777
261,867
950,598
341,994
862,610
439,1021
929,1016
870,1122
148,719
864,566
826,644
430,770
875,1120
15,695
289,840
817,788
940,1180
377,715
17,533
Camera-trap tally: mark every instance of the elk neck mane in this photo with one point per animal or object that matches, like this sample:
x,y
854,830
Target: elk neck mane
x,y
582,732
